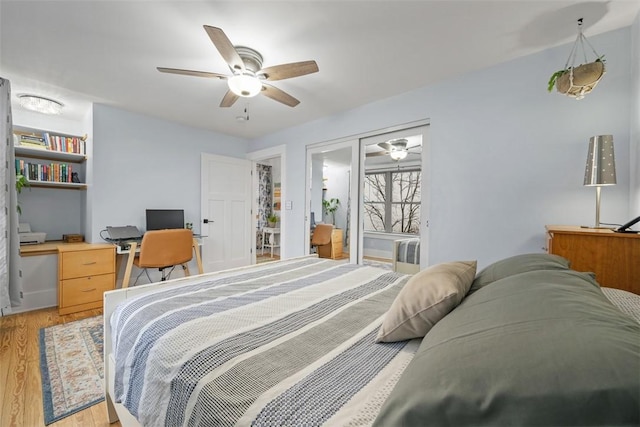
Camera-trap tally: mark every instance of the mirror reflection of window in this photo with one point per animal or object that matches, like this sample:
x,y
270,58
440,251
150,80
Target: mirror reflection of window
x,y
392,187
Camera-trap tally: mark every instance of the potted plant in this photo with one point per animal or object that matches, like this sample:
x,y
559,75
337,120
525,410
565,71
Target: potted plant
x,y
21,182
330,207
272,220
577,81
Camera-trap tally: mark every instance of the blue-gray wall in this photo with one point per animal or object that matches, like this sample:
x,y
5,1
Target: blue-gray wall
x,y
506,156
141,162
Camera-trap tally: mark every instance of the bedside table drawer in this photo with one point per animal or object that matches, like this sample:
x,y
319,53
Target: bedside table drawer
x,y
85,289
87,263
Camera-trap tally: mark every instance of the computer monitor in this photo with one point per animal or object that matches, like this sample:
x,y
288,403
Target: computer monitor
x,y
161,219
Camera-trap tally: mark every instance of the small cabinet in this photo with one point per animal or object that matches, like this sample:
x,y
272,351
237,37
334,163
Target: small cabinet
x,y
85,272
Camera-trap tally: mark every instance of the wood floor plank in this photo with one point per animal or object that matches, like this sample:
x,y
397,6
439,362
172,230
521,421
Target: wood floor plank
x,y
20,377
13,401
33,412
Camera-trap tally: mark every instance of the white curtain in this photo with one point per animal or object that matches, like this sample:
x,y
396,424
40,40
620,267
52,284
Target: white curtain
x,y
10,281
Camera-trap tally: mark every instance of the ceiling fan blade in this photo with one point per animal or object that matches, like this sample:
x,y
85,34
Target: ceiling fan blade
x,y
225,47
287,71
385,145
377,154
191,73
229,99
279,95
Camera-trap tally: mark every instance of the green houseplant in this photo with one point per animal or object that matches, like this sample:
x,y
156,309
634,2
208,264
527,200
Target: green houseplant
x,y
272,220
330,207
21,182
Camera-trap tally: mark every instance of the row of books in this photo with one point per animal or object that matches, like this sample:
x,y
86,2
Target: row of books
x,y
46,141
53,172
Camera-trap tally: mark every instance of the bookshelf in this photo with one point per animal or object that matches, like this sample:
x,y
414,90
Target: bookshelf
x,y
49,159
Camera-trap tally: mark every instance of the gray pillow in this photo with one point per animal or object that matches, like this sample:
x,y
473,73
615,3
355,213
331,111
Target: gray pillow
x,y
426,298
515,265
542,348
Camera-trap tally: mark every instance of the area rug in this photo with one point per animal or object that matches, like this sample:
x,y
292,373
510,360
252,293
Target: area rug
x,y
72,367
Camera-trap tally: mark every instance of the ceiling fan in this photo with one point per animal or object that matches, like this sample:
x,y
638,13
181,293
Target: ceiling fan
x,y
248,77
396,149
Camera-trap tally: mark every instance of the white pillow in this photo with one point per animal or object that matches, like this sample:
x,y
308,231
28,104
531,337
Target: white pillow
x,y
426,298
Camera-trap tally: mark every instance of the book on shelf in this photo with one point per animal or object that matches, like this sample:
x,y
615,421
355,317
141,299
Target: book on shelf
x,y
32,141
36,146
47,141
53,172
65,144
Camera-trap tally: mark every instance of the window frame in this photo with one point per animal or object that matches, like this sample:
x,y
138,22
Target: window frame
x,y
388,199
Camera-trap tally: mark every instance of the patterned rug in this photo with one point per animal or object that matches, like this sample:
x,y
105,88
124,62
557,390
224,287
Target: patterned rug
x,y
72,367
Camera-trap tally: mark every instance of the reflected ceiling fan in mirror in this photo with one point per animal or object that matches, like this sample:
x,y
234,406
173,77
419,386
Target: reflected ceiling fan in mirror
x,y
248,77
396,149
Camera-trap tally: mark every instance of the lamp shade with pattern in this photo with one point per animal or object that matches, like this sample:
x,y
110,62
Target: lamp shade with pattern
x,y
601,167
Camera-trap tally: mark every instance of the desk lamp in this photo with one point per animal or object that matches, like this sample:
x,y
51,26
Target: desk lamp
x,y
601,167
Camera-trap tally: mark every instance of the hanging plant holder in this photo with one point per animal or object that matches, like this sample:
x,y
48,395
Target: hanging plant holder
x,y
577,81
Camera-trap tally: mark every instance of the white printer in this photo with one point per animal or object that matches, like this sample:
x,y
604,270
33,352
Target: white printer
x,y
28,237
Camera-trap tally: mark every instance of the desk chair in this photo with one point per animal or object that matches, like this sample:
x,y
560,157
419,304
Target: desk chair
x,y
322,238
162,249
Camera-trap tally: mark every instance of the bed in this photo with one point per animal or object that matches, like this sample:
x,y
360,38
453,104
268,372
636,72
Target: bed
x,y
406,255
294,343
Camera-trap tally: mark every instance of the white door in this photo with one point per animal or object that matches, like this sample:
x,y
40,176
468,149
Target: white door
x,y
226,212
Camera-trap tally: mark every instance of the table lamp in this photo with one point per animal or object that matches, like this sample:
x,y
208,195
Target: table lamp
x,y
601,167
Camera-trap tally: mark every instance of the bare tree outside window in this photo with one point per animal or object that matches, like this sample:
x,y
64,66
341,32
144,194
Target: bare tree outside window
x,y
392,202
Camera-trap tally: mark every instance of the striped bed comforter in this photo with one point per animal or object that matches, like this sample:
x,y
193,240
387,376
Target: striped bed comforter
x,y
284,343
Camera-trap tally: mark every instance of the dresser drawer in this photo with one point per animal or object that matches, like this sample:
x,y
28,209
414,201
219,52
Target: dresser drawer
x,y
87,263
85,289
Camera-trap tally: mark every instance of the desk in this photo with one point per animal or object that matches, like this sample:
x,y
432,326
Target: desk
x,y
49,247
613,257
271,233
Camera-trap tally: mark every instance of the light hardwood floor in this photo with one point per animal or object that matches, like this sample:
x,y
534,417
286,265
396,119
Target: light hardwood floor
x,y
20,381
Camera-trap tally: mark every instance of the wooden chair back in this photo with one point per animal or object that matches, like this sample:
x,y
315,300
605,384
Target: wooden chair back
x,y
322,235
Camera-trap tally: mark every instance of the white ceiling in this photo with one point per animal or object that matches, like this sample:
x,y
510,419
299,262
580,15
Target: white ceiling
x,y
81,52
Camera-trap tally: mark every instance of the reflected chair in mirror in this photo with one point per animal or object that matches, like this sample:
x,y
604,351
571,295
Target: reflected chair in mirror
x,y
163,249
322,239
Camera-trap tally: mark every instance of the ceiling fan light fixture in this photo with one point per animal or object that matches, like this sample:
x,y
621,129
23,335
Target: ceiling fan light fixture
x,y
40,104
398,154
245,85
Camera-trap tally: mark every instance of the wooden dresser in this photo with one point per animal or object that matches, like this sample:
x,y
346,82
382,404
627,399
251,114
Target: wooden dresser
x,y
85,272
613,257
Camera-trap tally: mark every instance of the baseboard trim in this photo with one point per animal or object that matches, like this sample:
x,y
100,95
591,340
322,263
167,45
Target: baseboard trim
x,y
37,300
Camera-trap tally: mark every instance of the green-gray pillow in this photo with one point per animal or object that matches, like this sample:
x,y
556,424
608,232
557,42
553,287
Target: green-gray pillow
x,y
515,265
538,348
